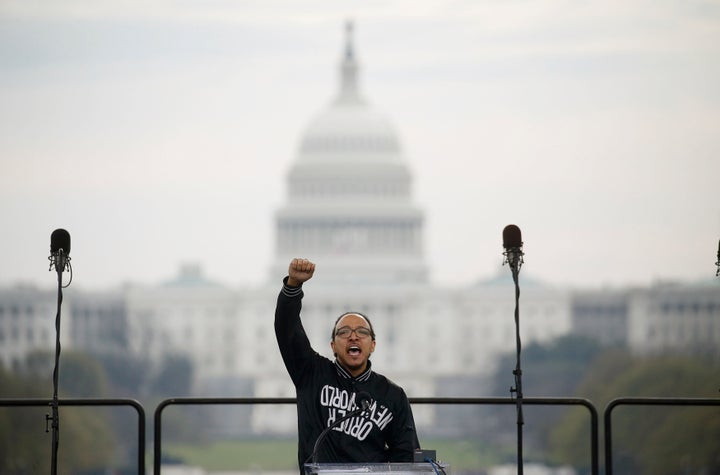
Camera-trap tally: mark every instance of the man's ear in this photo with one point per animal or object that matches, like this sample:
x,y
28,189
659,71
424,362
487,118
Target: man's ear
x,y
332,346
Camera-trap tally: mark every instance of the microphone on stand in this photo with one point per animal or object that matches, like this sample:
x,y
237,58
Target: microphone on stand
x,y
512,242
60,260
59,250
363,402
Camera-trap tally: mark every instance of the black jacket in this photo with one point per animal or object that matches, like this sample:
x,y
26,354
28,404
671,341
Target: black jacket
x,y
326,392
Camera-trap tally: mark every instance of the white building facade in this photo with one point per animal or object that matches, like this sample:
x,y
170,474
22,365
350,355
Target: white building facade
x,y
675,317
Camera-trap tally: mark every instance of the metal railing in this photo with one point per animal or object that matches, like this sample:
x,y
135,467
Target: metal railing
x,y
32,402
643,401
157,447
187,401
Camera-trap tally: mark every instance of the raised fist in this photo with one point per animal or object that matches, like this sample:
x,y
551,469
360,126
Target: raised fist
x,y
300,270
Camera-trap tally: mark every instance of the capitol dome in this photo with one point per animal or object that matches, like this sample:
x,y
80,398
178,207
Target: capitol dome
x,y
343,131
349,129
349,203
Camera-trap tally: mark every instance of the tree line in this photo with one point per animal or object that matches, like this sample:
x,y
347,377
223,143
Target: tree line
x,y
92,440
646,440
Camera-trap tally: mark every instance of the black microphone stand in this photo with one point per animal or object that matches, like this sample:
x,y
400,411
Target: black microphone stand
x,y
514,259
59,261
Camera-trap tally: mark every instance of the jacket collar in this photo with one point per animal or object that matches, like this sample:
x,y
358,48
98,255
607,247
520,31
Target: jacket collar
x,y
344,373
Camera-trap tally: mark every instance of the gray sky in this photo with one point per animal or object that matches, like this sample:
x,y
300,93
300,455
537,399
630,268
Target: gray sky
x,y
159,132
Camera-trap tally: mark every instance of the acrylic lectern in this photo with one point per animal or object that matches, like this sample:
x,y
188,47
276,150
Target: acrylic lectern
x,y
422,468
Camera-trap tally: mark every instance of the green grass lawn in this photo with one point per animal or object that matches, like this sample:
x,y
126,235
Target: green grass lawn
x,y
237,454
282,454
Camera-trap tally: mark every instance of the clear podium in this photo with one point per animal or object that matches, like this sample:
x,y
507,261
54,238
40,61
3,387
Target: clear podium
x,y
421,468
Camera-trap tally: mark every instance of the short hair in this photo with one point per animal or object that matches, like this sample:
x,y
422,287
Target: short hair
x,y
372,331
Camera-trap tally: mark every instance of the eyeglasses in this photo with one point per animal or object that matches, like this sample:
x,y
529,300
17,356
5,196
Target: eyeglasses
x,y
345,332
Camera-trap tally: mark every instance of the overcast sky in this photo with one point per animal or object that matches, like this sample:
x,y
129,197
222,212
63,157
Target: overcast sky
x,y
160,132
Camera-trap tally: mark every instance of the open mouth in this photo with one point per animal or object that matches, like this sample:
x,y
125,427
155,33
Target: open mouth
x,y
354,351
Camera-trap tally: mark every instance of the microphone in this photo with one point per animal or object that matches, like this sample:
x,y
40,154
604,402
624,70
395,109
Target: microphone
x,y
363,400
59,250
512,242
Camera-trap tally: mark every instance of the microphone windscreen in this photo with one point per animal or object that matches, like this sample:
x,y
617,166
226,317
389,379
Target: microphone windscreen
x,y
512,237
363,400
60,239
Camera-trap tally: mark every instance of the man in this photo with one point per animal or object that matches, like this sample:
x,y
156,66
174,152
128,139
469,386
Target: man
x,y
327,390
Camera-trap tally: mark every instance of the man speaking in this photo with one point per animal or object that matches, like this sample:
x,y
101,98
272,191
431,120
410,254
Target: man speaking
x,y
329,390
